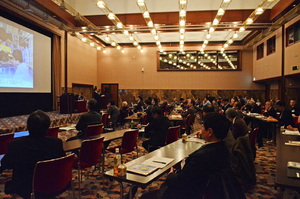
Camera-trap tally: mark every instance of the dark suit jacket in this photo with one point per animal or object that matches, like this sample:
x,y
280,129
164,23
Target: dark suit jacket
x,y
163,106
295,110
286,118
138,107
148,110
239,128
190,111
199,167
271,112
114,113
22,155
86,119
255,109
227,106
158,129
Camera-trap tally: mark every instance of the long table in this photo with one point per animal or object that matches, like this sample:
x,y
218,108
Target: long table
x,y
285,153
177,150
76,144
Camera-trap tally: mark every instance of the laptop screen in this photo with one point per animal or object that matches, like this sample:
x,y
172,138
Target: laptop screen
x,y
1,156
21,134
131,104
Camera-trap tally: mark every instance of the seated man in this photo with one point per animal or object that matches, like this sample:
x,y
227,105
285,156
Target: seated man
x,y
294,108
285,118
23,153
239,127
201,166
190,111
90,118
139,105
113,112
157,129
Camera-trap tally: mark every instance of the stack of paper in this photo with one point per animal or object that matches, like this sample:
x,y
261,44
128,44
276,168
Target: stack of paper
x,y
148,166
295,165
293,143
288,132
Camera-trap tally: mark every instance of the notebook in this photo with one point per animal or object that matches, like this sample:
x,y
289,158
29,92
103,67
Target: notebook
x,y
142,169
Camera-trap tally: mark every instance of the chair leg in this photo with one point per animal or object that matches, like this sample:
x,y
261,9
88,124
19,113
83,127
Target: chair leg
x,y
72,187
31,196
137,151
79,181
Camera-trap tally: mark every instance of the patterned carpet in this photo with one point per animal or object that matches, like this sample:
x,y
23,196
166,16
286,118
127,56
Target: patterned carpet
x,y
93,187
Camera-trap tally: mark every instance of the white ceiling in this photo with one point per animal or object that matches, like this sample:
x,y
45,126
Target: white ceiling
x,y
88,7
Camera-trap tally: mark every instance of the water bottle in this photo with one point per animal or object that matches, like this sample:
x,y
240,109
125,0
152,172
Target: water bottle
x,y
117,161
132,124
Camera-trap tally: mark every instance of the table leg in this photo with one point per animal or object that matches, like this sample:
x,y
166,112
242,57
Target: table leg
x,y
130,191
121,189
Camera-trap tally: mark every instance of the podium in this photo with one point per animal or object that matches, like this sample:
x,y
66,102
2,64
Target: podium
x,y
67,105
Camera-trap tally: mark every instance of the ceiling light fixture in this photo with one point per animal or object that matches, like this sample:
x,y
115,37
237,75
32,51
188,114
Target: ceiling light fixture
x,y
111,16
119,47
208,36
153,31
141,2
220,12
120,25
100,4
98,48
131,38
83,39
182,13
235,35
249,21
211,29
259,11
150,24
126,32
182,23
215,22
242,29
146,14
156,37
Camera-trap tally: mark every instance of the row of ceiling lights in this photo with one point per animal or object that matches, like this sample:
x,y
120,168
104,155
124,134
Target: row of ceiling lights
x,y
182,20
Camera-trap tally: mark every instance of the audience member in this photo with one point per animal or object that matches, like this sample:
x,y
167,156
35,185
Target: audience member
x,y
206,102
157,129
163,104
148,110
254,107
226,105
90,118
154,102
294,108
23,154
238,106
113,113
139,105
80,96
285,118
239,127
202,166
191,111
124,112
270,110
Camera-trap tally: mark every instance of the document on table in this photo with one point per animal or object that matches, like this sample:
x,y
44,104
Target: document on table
x,y
66,128
295,165
194,139
159,162
288,132
293,143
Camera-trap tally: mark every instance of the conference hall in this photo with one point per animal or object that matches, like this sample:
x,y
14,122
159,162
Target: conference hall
x,y
58,55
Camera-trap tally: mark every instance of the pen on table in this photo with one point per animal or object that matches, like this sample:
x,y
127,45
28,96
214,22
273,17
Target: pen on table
x,y
159,162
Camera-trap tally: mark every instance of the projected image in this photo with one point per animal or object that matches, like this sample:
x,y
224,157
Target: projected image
x,y
16,57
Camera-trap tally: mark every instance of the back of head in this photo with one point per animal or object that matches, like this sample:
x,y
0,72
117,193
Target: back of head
x,y
92,104
112,102
155,100
231,113
225,100
208,109
252,102
193,102
147,102
141,98
280,103
218,123
38,123
157,110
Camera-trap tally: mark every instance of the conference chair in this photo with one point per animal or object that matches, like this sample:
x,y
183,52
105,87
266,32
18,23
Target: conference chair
x,y
53,177
4,140
295,120
90,154
144,119
93,130
253,141
172,134
53,132
104,119
187,124
129,143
